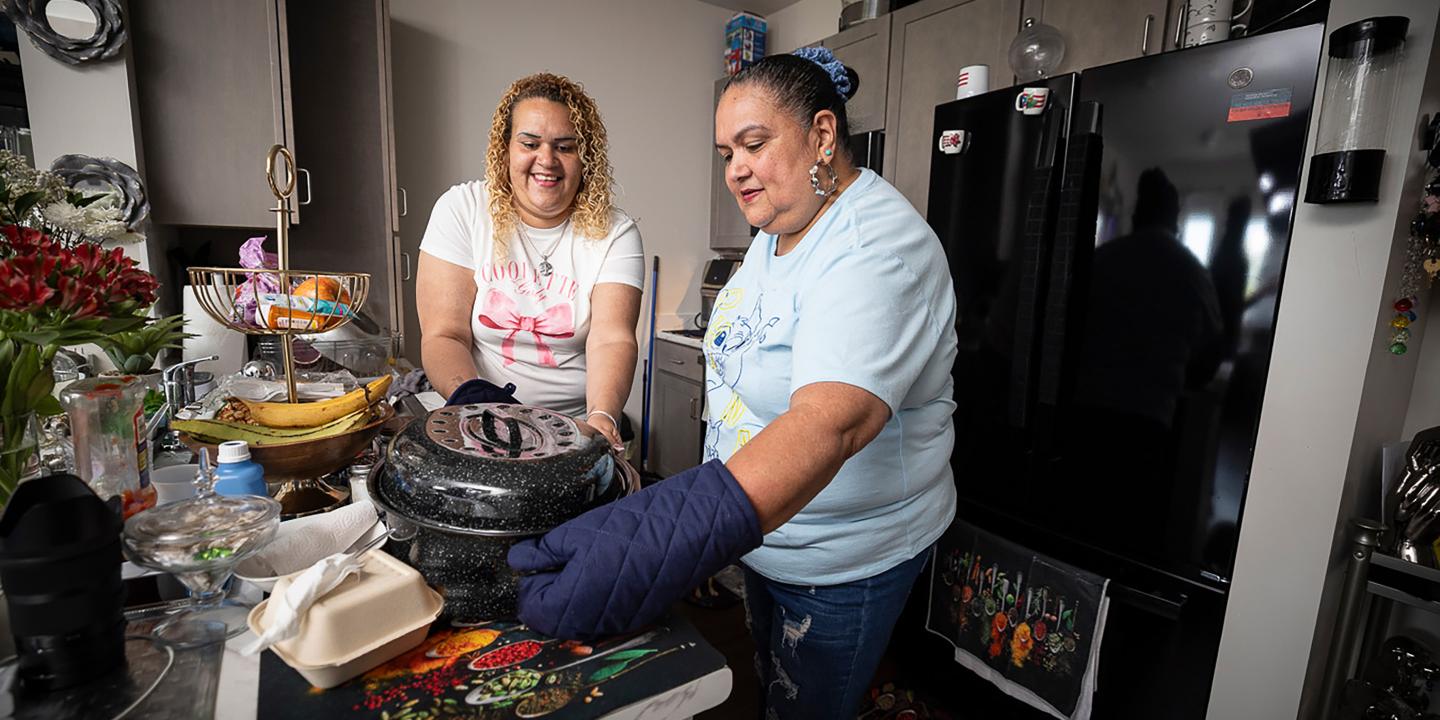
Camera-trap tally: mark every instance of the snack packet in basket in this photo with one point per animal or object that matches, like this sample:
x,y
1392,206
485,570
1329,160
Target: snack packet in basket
x,y
247,294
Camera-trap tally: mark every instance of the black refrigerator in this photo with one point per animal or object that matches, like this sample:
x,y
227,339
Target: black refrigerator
x,y
1118,260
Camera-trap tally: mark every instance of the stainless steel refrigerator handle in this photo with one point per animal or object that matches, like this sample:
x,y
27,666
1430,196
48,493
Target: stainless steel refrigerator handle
x,y
1145,38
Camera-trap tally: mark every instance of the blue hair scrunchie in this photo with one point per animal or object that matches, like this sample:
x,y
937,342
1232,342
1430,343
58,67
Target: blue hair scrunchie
x,y
832,67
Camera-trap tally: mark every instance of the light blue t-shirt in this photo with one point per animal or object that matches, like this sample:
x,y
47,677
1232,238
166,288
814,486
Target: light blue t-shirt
x,y
865,299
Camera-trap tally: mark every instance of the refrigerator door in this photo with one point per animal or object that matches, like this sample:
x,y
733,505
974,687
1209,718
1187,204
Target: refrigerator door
x,y
994,176
1157,349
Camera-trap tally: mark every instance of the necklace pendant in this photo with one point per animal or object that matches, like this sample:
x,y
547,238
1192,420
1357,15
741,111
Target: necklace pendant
x,y
546,268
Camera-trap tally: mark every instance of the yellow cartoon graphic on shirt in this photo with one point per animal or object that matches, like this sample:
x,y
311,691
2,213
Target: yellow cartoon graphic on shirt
x,y
729,339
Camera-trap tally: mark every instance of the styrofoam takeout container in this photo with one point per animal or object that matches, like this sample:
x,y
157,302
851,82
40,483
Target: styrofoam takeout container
x,y
373,616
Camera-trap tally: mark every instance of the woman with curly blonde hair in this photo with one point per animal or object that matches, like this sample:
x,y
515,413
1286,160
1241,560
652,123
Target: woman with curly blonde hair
x,y
529,280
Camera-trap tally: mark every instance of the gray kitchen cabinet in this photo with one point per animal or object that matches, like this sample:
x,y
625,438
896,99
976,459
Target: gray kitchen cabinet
x,y
213,94
677,397
218,83
728,229
339,75
865,49
929,42
1100,32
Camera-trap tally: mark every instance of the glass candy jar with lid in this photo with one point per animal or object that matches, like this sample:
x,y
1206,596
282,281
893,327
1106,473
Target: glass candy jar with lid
x,y
200,540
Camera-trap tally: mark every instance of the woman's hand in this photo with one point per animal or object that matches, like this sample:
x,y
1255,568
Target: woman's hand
x,y
605,423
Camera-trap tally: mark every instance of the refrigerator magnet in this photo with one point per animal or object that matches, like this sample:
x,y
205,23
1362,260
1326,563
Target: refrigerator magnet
x,y
953,142
1259,105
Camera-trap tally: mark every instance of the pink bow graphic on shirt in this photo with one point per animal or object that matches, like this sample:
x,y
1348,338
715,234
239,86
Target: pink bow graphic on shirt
x,y
500,313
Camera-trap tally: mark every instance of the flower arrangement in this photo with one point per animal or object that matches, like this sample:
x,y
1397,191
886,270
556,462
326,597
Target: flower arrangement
x,y
53,295
39,200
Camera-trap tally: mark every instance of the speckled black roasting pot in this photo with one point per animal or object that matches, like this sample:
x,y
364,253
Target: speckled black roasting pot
x,y
464,483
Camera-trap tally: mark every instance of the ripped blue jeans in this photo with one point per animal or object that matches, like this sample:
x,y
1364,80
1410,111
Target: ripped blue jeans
x,y
817,646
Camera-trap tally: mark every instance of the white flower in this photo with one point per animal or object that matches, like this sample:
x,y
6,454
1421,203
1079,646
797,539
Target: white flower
x,y
64,216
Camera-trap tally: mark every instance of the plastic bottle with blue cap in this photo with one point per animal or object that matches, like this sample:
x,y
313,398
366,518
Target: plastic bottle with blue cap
x,y
236,473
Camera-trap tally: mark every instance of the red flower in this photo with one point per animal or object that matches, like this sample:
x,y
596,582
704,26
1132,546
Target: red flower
x,y
23,240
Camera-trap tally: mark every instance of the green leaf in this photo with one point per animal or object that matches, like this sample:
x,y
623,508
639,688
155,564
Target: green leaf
x,y
628,654
48,406
27,202
607,671
81,201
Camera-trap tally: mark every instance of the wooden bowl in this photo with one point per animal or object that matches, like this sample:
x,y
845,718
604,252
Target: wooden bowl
x,y
306,459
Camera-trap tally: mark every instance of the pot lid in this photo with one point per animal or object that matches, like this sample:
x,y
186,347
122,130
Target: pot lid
x,y
495,468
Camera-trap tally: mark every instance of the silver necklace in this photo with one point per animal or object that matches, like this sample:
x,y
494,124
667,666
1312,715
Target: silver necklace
x,y
545,267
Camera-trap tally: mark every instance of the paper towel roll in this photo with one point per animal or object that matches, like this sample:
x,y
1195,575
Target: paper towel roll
x,y
211,338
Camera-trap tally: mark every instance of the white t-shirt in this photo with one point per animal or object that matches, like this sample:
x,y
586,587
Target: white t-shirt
x,y
527,328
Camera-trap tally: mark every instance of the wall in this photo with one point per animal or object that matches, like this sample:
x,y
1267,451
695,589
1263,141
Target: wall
x,y
649,64
1336,396
801,24
82,109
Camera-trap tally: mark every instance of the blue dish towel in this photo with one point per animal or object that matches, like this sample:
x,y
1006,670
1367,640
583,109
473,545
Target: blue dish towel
x,y
619,567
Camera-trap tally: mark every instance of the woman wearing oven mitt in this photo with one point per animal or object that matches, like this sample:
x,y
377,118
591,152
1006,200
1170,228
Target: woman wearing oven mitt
x,y
829,433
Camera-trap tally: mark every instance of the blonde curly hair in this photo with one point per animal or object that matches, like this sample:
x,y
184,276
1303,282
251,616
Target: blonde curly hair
x,y
590,211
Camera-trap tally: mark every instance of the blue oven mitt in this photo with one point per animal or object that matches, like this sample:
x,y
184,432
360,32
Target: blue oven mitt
x,y
619,567
481,390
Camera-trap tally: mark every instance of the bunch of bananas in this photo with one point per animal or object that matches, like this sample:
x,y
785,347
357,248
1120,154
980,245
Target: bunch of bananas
x,y
278,423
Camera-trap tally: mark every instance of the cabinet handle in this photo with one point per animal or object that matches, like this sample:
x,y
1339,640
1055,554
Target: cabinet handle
x,y
404,203
309,193
405,258
1145,38
677,362
694,414
1180,23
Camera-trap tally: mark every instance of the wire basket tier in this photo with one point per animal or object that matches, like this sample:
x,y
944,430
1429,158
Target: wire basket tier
x,y
309,301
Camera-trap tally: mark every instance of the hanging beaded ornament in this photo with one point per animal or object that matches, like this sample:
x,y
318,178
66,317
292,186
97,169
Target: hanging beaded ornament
x,y
1422,258
1422,264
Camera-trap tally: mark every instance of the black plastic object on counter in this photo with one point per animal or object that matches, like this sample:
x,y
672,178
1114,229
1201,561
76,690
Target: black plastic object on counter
x,y
464,483
60,568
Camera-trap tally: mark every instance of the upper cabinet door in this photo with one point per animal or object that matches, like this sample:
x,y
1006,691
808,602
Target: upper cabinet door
x,y
865,49
340,65
1100,32
929,42
213,93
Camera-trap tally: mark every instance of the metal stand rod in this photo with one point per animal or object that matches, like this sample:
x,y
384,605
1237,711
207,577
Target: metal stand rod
x,y
282,242
1365,537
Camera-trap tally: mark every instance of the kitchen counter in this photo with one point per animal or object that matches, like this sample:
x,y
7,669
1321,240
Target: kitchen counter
x,y
675,337
239,687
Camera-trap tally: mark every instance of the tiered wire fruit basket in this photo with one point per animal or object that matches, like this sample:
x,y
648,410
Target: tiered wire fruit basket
x,y
305,302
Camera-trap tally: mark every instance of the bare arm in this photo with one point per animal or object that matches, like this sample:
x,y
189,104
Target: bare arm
x,y
444,299
796,456
610,353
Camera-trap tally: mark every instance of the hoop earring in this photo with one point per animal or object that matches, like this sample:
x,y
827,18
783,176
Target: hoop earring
x,y
815,179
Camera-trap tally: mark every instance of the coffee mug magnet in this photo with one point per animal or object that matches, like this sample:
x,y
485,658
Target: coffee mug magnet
x,y
1032,101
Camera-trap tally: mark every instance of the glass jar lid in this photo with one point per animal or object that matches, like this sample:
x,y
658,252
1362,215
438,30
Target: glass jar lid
x,y
202,530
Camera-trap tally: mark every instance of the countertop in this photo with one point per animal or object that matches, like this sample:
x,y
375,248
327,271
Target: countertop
x,y
675,337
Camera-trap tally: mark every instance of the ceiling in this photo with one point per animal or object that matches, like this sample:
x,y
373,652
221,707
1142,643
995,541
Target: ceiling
x,y
761,7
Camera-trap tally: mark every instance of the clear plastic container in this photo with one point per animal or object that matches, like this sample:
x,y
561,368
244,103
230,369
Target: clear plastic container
x,y
1361,82
107,429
